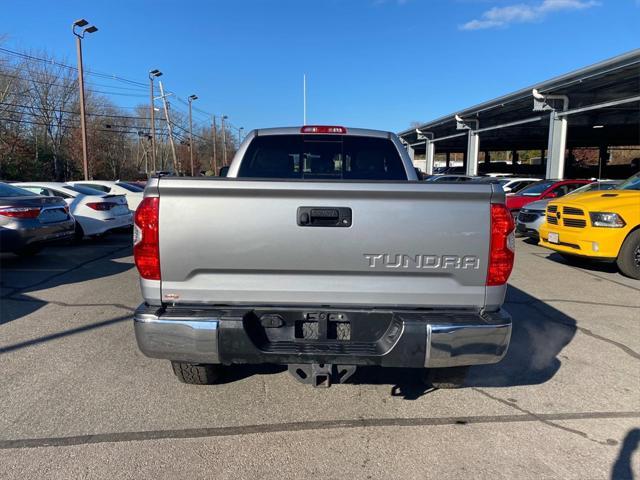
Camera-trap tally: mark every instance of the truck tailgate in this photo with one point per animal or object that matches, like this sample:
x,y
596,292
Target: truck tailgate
x,y
407,244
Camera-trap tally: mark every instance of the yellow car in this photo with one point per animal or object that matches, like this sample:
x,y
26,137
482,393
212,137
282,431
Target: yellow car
x,y
602,225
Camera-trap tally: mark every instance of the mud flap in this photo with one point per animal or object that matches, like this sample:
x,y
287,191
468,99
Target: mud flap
x,y
321,374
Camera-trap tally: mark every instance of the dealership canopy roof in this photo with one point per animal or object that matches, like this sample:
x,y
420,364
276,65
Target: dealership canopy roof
x,y
603,110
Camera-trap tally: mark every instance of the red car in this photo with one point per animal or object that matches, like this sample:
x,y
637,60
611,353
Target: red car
x,y
544,189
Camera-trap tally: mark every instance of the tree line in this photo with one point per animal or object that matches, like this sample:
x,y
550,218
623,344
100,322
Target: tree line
x,y
40,136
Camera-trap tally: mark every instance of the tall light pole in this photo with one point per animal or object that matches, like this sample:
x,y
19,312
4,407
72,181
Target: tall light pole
x,y
240,135
191,99
153,74
224,140
82,23
215,140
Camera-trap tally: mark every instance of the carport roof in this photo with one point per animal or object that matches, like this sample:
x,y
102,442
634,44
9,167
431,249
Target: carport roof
x,y
613,79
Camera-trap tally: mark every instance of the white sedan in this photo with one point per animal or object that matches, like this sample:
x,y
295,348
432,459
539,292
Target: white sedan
x,y
132,192
515,184
95,212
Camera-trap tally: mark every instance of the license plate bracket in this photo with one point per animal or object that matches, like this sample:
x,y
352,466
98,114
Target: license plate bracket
x,y
554,237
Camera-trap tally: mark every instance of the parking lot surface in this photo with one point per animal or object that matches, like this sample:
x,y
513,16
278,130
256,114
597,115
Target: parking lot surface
x,y
78,400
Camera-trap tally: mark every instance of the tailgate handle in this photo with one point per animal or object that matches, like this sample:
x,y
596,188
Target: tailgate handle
x,y
324,216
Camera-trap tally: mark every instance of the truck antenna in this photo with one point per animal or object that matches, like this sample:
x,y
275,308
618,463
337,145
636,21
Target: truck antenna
x,y
304,99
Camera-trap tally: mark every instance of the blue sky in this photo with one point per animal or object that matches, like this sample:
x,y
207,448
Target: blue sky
x,y
370,63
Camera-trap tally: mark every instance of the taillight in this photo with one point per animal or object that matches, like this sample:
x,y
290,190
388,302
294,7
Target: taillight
x,y
146,247
322,129
501,252
102,206
20,212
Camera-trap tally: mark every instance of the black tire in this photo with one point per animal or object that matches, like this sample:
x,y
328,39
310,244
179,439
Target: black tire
x,y
628,260
78,234
29,251
196,374
447,378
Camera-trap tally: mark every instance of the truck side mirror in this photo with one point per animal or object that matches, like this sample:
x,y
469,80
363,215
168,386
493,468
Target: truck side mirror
x,y
223,171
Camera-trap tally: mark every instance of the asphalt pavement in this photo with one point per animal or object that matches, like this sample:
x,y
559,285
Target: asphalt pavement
x,y
78,400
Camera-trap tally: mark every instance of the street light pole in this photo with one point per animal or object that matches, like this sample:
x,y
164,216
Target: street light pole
x,y
83,120
224,140
152,74
240,135
191,99
215,140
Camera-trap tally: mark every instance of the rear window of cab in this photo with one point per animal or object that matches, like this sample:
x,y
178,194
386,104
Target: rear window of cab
x,y
322,157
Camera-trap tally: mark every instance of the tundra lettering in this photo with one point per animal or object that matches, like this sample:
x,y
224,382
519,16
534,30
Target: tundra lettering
x,y
444,262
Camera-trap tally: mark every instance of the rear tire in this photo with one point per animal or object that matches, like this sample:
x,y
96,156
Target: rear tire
x,y
196,374
78,234
29,251
628,260
447,378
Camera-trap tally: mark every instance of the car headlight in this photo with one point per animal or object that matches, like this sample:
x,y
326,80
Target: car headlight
x,y
606,219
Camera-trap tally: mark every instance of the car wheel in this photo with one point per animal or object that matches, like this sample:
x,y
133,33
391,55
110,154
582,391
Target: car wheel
x,y
628,260
29,251
78,234
447,378
196,374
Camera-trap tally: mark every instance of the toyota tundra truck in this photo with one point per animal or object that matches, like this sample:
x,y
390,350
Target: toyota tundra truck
x,y
320,250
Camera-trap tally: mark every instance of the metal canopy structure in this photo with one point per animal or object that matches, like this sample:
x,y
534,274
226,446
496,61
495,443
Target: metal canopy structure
x,y
596,106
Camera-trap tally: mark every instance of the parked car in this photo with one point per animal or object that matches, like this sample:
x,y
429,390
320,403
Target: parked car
x,y
509,185
448,178
323,261
133,193
533,215
597,225
95,212
28,221
514,185
545,189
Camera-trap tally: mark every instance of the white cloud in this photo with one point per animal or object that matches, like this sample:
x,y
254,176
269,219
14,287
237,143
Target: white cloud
x,y
524,13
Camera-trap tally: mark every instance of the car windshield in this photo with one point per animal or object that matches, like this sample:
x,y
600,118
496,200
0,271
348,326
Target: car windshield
x,y
632,183
535,189
83,190
7,190
326,157
594,186
130,187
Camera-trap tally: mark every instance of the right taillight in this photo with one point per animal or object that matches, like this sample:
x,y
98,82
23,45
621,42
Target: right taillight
x,y
501,252
146,247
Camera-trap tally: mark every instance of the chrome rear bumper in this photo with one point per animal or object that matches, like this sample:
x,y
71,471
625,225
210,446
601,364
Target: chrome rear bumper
x,y
433,340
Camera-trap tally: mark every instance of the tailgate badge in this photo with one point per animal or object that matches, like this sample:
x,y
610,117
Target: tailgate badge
x,y
433,262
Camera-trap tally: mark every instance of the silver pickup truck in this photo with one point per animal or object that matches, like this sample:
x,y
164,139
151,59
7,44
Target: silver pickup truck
x,y
322,251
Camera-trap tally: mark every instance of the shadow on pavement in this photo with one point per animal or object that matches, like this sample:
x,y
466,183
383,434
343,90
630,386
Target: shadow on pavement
x,y
539,334
54,266
593,265
622,468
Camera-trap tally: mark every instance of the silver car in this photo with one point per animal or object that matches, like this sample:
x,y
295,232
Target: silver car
x,y
29,221
531,216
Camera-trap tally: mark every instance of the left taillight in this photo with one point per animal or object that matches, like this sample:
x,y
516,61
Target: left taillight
x,y
20,212
146,246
